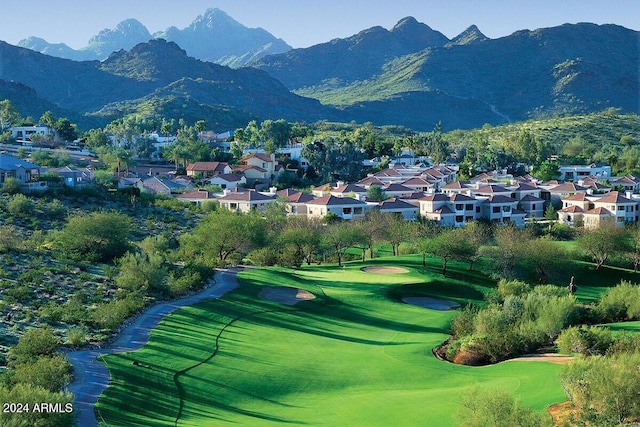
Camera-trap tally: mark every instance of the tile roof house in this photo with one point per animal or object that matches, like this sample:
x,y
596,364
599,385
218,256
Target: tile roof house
x,y
502,209
208,169
398,206
594,218
246,202
198,197
227,180
263,161
532,205
343,207
347,190
623,209
296,203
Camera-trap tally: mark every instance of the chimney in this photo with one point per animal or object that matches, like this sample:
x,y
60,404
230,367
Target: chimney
x,y
628,194
272,190
226,192
339,184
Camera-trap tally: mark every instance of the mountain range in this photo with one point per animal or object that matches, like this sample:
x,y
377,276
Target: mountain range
x,y
410,75
213,36
154,79
385,77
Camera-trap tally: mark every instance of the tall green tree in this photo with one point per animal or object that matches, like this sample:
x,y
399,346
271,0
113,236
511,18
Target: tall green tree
x,y
9,115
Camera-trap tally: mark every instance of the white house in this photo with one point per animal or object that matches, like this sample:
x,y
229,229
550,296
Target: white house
x,y
24,133
576,172
343,207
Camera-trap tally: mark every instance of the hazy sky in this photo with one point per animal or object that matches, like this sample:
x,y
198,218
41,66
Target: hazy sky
x,y
303,23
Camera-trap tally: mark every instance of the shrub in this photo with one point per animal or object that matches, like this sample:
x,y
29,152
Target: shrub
x,y
10,238
52,373
586,340
496,408
11,186
463,324
184,281
20,205
110,315
604,389
77,336
621,302
512,287
34,343
31,395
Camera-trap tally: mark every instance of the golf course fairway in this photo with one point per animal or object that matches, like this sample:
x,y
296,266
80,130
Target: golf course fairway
x,y
355,355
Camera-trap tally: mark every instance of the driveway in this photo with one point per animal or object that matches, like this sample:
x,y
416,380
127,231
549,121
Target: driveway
x,y
92,377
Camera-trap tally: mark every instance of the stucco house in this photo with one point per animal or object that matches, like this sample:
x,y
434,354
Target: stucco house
x,y
343,207
399,207
26,173
227,180
246,202
208,169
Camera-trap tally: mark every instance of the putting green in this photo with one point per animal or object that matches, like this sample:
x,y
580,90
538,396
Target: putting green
x,y
355,355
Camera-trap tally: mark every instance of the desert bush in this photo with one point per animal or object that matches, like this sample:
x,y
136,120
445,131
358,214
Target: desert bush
x,y
20,205
586,340
512,287
497,408
604,389
52,373
621,302
11,186
10,238
34,343
32,395
77,336
184,281
110,315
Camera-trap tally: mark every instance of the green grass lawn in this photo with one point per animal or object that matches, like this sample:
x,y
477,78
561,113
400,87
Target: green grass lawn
x,y
354,356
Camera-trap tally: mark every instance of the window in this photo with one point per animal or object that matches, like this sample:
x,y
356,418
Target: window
x,y
506,209
477,209
495,209
357,211
468,207
533,206
459,218
459,206
346,211
233,206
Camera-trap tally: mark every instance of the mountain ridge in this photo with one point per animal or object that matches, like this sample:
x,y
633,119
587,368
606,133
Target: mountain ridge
x,y
213,36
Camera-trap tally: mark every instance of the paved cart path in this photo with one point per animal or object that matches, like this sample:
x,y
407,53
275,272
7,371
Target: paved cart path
x,y
92,377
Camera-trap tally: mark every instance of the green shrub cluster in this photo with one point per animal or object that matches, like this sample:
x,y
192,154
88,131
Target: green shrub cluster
x,y
619,303
526,319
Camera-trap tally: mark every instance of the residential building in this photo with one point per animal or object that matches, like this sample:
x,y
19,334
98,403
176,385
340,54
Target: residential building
x,y
26,173
246,202
576,172
399,207
227,180
208,169
24,133
342,207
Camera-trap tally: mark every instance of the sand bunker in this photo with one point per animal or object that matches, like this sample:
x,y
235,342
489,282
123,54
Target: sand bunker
x,y
432,303
285,295
385,270
559,359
